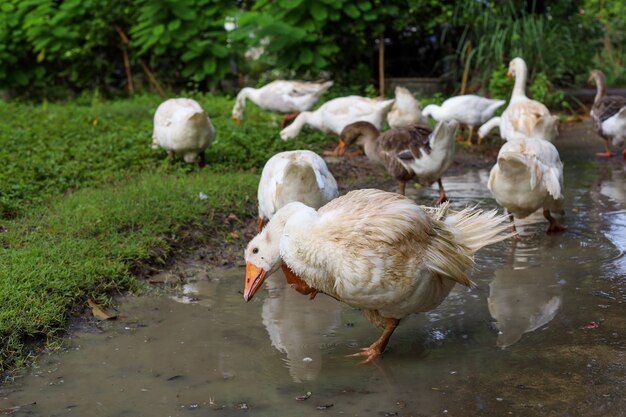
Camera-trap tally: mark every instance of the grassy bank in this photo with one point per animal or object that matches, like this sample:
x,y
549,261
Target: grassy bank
x,y
46,149
84,199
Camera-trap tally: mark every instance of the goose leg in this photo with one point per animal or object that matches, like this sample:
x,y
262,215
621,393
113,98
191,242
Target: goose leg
x,y
469,137
288,119
377,348
171,155
202,160
555,226
459,137
608,152
516,235
402,187
442,194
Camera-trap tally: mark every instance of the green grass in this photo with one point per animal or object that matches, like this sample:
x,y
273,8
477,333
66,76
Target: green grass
x,y
84,199
46,149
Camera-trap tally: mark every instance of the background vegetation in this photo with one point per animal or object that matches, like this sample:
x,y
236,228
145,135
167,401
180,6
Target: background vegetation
x,y
49,47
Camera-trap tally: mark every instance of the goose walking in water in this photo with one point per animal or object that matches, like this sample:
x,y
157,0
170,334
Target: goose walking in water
x,y
373,250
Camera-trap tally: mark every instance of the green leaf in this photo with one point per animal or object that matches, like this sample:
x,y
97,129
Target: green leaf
x,y
364,5
318,11
306,56
209,66
369,17
173,25
320,62
219,50
183,12
189,55
352,11
289,4
158,30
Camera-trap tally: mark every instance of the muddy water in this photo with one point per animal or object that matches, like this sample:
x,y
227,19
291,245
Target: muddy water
x,y
543,334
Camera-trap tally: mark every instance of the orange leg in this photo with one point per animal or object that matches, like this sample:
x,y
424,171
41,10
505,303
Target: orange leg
x,y
288,119
607,153
377,348
555,226
469,137
442,194
459,137
297,283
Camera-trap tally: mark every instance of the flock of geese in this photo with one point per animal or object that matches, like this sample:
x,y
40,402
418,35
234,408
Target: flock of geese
x,y
377,250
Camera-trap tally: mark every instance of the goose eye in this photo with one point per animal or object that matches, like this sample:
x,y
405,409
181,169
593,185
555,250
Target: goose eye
x,y
255,250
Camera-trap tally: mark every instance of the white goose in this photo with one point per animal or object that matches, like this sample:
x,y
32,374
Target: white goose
x,y
336,114
281,96
294,176
527,176
469,110
523,117
373,250
182,127
406,111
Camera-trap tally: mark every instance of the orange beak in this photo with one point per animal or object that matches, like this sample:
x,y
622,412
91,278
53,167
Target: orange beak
x,y
254,278
236,120
509,75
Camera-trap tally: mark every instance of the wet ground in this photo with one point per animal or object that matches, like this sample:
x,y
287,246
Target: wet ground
x,y
543,333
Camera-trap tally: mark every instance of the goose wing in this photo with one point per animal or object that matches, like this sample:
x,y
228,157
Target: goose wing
x,y
608,106
400,147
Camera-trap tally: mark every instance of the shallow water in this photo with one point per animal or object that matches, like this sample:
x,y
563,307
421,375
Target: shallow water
x,y
541,335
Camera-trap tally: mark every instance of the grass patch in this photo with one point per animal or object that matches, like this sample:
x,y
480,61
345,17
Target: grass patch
x,y
84,245
47,149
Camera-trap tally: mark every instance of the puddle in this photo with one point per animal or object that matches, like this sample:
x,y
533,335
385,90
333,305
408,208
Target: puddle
x,y
541,335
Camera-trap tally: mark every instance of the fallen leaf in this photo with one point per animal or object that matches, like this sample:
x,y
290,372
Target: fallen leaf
x,y
590,325
98,312
324,407
232,218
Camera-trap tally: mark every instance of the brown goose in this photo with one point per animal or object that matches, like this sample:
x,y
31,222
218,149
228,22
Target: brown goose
x,y
411,152
608,114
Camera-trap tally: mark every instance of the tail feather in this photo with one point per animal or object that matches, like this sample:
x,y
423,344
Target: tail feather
x,y
459,236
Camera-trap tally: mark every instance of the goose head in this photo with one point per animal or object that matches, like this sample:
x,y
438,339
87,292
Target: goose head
x,y
262,254
596,76
430,110
517,68
357,132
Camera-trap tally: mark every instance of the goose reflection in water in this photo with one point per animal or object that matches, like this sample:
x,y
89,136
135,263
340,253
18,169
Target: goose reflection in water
x,y
523,296
299,327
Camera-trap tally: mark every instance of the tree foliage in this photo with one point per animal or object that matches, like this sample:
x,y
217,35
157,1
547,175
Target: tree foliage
x,y
50,47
